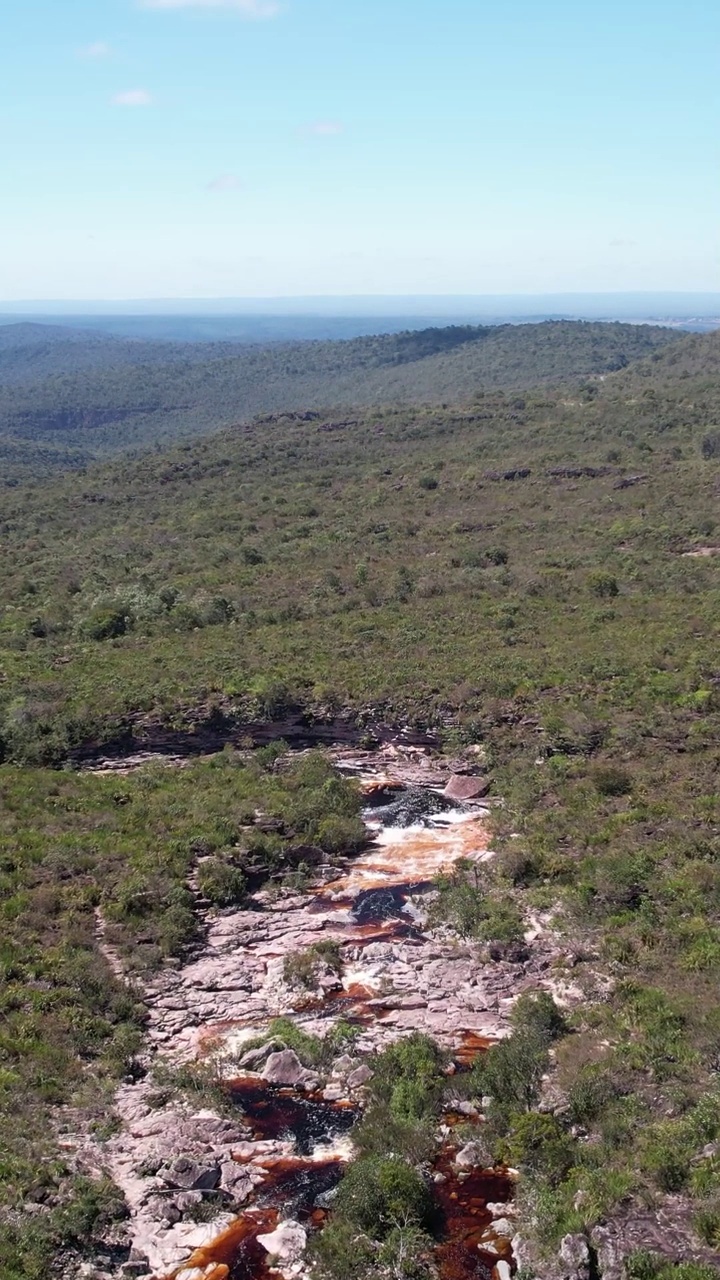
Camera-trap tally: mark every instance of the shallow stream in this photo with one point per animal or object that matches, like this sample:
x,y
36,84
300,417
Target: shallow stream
x,y
373,905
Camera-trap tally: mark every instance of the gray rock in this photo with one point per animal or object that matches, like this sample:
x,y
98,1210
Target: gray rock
x,y
254,1058
236,1180
359,1077
334,1092
343,1064
188,1200
325,1199
287,1242
503,1227
575,1257
286,1068
463,787
170,1213
463,1108
610,1254
474,1156
164,1209
188,1175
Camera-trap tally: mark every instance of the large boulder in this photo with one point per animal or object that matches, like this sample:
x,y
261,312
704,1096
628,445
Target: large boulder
x,y
286,1068
287,1242
237,1180
463,787
254,1058
359,1076
190,1175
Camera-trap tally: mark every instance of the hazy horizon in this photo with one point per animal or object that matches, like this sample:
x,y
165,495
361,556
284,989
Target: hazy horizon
x,y
599,304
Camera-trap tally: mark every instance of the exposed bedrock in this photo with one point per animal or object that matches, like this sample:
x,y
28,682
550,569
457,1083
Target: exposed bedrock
x,y
262,1167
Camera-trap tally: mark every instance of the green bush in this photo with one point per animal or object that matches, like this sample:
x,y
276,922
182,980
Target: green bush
x,y
379,1132
303,967
603,585
341,1252
459,904
376,1195
537,1013
710,445
707,1224
539,1144
590,1093
407,1254
666,1158
408,1077
337,834
511,1071
497,556
609,780
643,1265
221,882
106,623
308,1048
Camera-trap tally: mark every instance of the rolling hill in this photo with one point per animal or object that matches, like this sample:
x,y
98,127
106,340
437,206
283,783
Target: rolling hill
x,y
186,391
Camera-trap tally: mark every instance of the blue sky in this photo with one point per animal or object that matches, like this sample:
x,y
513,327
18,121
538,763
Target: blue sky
x,y
204,148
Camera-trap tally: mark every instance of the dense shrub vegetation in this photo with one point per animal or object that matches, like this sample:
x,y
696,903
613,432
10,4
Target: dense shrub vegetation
x,y
553,593
109,395
385,1209
125,847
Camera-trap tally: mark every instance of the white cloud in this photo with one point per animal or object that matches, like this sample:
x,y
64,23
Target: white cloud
x,y
225,182
99,49
248,8
133,98
326,128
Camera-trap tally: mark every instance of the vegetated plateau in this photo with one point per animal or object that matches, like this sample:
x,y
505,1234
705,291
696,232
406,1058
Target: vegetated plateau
x,y
91,395
532,570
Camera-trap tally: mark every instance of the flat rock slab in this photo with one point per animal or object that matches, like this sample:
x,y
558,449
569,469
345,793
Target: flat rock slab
x,y
462,787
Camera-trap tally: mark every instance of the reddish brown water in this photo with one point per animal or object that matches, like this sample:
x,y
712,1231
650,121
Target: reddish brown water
x,y
463,1201
236,1253
289,1190
469,1048
293,1187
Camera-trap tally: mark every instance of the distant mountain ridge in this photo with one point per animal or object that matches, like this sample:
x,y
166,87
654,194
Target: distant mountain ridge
x,y
30,351
140,394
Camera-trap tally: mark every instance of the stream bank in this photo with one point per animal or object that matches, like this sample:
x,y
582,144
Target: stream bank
x,y
265,1164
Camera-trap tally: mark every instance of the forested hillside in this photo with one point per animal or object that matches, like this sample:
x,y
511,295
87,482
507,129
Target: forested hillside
x,y
31,351
185,391
299,518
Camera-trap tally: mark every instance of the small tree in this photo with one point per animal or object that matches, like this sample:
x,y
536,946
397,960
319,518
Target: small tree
x,y
603,585
710,445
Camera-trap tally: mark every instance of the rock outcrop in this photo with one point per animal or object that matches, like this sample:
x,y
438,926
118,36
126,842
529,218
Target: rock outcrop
x,y
175,1161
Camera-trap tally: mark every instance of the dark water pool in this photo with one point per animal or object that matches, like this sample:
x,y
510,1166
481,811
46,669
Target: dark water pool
x,y
274,1113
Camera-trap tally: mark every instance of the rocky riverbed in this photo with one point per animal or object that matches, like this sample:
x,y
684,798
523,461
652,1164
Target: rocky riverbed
x,y
223,1192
